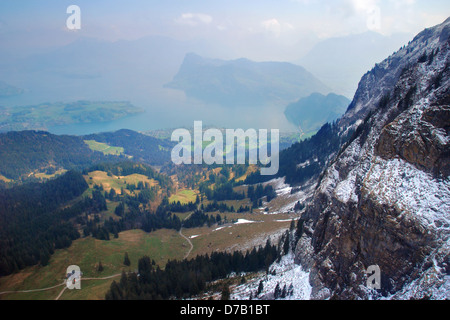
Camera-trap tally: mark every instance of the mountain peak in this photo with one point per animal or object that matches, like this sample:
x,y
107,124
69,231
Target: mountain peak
x,y
386,73
243,82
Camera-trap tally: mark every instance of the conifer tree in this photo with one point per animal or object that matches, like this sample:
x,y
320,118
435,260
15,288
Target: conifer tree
x,y
126,260
100,267
225,292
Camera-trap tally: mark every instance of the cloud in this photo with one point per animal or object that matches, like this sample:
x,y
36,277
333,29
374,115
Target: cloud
x,y
275,27
370,10
364,5
194,19
271,24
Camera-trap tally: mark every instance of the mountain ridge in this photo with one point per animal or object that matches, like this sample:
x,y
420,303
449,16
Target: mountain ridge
x,y
384,199
242,82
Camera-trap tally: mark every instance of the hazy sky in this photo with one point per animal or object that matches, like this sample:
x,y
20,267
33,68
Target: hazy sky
x,y
249,27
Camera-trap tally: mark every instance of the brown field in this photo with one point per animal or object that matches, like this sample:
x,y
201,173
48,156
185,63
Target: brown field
x,y
231,237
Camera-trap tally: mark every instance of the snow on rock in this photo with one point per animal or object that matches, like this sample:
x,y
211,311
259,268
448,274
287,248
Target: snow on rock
x,y
286,199
399,184
433,285
283,273
345,190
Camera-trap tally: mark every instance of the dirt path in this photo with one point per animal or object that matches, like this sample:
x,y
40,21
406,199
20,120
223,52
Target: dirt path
x,y
190,244
59,285
60,294
187,239
84,279
34,290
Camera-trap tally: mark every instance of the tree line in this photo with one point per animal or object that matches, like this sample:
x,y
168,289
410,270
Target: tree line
x,y
187,278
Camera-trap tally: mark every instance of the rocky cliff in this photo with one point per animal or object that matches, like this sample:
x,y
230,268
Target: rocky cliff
x,y
385,199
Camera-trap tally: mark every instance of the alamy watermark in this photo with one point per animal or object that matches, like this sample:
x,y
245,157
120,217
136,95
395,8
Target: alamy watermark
x,y
213,153
374,277
373,21
73,22
73,277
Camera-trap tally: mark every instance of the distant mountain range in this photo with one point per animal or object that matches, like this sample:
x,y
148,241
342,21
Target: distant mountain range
x,y
7,90
340,62
92,69
146,71
312,112
243,82
137,71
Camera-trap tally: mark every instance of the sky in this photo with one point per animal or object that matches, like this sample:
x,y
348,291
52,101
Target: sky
x,y
258,29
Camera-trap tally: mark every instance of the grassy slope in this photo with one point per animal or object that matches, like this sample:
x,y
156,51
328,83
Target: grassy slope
x,y
116,182
184,196
103,147
160,245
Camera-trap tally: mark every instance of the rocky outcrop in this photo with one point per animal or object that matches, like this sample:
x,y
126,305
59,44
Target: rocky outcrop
x,y
385,199
426,144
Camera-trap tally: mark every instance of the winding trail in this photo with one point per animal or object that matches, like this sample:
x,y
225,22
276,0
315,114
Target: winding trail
x,y
187,239
34,290
84,279
59,285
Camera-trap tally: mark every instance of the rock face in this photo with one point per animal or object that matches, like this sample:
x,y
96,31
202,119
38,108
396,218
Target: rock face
x,y
385,199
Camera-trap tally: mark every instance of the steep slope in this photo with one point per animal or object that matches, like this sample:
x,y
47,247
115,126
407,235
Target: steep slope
x,y
385,199
243,82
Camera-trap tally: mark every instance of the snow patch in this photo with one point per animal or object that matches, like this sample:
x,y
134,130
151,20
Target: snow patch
x,y
286,220
220,228
284,273
243,221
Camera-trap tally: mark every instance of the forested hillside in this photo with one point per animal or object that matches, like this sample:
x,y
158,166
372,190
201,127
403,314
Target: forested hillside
x,y
308,158
141,147
32,223
22,152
